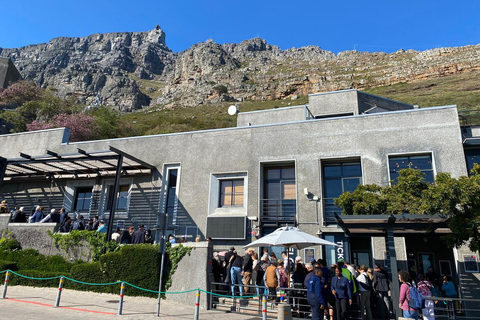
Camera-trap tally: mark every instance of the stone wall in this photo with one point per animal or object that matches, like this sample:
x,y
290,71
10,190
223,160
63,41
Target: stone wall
x,y
193,272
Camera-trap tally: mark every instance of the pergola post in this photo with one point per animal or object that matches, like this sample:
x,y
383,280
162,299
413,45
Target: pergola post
x,y
112,202
395,290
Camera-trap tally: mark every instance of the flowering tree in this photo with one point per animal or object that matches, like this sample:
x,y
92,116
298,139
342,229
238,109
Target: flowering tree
x,y
82,126
18,93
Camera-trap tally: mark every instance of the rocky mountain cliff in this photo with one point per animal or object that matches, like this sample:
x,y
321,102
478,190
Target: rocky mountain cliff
x,y
135,70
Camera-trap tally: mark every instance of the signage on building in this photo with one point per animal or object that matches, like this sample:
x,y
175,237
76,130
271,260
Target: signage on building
x,y
309,254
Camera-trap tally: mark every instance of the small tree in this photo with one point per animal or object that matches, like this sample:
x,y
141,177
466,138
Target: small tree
x,y
457,199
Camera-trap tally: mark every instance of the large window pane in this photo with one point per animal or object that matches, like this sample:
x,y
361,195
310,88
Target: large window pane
x,y
83,198
231,193
333,188
288,190
332,171
350,184
472,156
418,162
352,170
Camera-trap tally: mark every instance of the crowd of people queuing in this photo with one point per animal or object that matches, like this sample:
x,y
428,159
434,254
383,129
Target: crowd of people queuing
x,y
77,222
333,292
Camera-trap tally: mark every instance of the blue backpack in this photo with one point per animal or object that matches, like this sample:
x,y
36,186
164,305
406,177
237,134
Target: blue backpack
x,y
416,300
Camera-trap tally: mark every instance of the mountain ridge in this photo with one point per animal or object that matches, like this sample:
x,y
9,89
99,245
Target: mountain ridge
x,y
135,70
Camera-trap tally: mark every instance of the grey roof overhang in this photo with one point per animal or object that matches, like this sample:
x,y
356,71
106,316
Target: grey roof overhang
x,y
73,165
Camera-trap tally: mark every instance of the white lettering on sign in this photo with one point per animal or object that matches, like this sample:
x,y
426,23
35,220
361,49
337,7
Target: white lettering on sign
x,y
340,250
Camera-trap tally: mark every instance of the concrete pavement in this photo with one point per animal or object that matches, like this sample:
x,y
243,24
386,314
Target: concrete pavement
x,y
37,303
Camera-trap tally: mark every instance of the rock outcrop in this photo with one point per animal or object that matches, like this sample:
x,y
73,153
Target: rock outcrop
x,y
134,70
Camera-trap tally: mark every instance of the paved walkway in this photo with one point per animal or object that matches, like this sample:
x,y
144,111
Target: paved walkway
x,y
37,303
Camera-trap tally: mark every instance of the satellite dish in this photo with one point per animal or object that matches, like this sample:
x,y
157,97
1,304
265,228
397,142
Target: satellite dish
x,y
232,110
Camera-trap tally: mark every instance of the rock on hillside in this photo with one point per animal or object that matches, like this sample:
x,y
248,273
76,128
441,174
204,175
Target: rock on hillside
x,y
133,70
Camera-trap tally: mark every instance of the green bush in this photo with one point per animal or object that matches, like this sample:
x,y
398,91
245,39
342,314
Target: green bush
x,y
136,264
91,273
7,265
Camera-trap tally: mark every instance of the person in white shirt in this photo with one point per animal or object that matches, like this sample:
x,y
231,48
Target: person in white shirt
x,y
364,290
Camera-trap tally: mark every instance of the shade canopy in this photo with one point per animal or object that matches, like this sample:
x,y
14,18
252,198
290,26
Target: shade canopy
x,y
289,237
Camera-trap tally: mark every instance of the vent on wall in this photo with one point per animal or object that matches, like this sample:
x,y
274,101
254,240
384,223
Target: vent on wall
x,y
229,228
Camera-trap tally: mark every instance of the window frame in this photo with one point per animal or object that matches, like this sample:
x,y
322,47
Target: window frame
x,y
411,154
75,198
233,194
214,207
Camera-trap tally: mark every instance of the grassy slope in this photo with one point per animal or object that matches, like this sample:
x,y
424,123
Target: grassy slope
x,y
462,90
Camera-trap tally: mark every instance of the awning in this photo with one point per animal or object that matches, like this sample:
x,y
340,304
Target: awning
x,y
80,164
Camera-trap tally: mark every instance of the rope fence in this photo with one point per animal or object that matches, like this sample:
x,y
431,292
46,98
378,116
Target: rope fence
x,y
63,278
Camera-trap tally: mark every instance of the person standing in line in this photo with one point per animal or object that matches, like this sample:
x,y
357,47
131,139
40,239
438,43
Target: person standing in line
x,y
95,223
272,278
449,288
406,283
116,235
247,269
102,228
316,294
37,216
63,215
365,290
424,287
236,262
139,235
381,286
343,293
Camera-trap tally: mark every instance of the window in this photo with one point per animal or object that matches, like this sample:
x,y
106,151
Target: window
x,y
122,197
279,205
228,193
231,193
472,157
169,198
83,198
420,162
338,178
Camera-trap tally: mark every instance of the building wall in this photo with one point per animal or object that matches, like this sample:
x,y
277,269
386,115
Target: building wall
x,y
307,143
330,103
270,116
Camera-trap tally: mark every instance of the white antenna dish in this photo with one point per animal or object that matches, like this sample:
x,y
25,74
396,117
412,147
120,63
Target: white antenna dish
x,y
232,110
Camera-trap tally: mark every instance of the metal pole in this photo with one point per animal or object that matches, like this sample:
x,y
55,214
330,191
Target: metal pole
x,y
264,307
163,245
4,294
197,305
113,201
120,304
59,294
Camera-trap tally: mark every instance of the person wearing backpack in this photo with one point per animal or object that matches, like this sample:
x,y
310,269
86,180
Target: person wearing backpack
x,y
79,224
365,290
425,288
408,300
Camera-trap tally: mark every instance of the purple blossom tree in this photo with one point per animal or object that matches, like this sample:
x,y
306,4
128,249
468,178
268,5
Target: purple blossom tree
x,y
82,126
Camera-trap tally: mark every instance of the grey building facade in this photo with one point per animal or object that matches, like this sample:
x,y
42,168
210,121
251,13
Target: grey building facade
x,y
277,167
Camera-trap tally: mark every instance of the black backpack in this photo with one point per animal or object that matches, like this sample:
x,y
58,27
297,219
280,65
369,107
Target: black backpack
x,y
78,225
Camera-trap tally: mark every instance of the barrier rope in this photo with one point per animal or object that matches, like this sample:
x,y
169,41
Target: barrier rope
x,y
32,278
127,283
93,284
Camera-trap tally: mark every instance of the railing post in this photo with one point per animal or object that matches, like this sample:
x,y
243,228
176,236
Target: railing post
x,y
120,303
197,305
264,307
59,294
7,275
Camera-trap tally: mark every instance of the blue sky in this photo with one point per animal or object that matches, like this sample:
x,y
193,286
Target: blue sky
x,y
333,25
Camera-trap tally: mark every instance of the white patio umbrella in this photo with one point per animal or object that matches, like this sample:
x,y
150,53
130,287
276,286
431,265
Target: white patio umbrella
x,y
289,237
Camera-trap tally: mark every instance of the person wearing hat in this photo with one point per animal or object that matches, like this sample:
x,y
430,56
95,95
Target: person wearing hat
x,y
272,278
139,235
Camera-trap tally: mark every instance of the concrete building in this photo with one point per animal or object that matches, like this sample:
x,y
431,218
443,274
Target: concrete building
x,y
8,72
277,167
